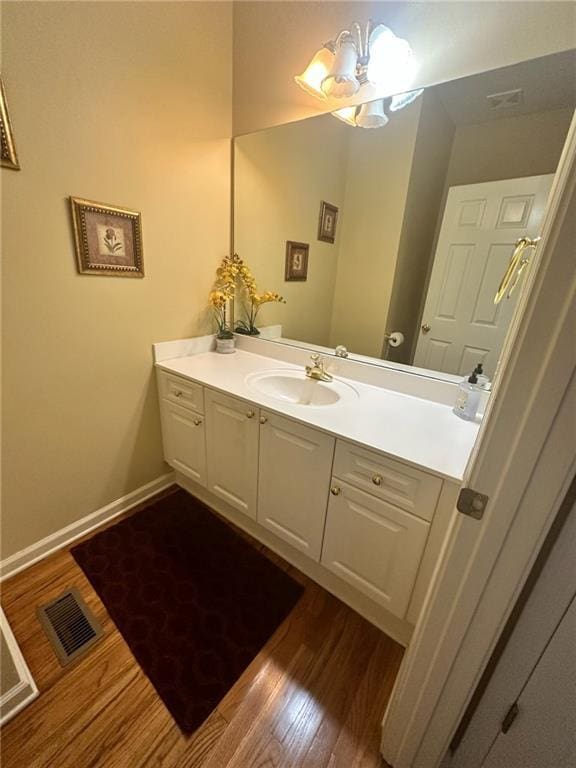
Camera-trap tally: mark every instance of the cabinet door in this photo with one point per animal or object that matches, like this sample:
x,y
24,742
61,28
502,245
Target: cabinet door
x,y
232,450
295,468
184,440
373,545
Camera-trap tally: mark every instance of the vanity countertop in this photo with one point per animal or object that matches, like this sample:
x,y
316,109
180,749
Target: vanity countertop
x,y
417,431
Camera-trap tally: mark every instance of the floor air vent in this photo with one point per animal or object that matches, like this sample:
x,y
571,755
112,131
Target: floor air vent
x,y
69,625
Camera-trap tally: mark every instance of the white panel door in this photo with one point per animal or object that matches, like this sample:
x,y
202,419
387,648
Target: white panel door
x,y
480,226
543,734
232,450
184,440
295,469
373,545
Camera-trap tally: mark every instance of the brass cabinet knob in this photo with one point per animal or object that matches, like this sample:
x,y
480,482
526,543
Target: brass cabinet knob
x,y
178,393
377,479
197,422
263,419
250,414
426,328
335,490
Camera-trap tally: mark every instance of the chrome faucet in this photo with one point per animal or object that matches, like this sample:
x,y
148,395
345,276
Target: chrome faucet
x,y
317,370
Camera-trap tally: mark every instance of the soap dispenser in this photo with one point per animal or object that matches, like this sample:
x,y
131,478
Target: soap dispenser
x,y
468,398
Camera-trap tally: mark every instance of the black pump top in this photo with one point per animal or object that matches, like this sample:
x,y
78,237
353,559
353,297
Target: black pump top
x,y
479,370
473,379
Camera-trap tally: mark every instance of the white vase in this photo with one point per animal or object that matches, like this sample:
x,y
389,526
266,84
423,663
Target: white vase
x,y
225,346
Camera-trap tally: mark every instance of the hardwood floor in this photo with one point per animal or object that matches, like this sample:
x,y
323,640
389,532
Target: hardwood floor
x,y
314,697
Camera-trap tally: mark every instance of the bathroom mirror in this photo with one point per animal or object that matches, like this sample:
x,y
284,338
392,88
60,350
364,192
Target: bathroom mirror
x,y
392,242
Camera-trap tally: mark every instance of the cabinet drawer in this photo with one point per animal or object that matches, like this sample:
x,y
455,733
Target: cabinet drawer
x,y
410,489
181,391
373,546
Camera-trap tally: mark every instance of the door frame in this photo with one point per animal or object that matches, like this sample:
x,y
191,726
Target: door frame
x,y
484,563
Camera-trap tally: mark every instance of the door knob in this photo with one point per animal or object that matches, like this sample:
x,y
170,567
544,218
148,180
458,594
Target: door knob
x,y
197,422
335,490
263,419
377,479
425,328
250,414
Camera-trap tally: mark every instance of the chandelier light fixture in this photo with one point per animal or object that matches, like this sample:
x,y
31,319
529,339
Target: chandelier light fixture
x,y
356,58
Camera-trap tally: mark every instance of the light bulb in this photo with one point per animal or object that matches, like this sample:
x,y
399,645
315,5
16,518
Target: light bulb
x,y
341,82
401,100
311,79
372,115
347,115
391,65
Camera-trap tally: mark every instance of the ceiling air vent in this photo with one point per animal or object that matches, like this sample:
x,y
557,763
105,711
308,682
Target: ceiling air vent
x,y
506,99
70,626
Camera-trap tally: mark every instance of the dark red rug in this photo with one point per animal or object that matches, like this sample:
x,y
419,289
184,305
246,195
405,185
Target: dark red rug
x,y
194,601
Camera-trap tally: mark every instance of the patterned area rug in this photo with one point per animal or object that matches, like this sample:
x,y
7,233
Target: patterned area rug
x,y
194,601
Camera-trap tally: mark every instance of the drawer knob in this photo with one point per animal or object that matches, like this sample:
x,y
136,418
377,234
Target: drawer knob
x,y
377,479
250,414
197,422
178,393
263,419
335,490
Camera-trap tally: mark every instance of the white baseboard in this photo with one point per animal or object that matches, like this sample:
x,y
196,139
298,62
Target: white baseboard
x,y
41,549
397,629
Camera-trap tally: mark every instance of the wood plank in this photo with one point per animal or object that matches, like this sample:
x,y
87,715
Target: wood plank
x,y
313,697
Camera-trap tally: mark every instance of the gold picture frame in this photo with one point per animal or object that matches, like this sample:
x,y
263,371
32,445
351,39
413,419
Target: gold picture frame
x,y
8,156
108,239
327,222
296,267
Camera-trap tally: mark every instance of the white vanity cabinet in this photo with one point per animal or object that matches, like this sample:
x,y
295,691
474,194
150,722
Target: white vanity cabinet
x,y
294,475
183,426
232,450
366,526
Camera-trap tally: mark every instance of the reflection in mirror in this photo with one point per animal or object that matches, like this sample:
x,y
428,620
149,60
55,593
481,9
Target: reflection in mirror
x,y
425,213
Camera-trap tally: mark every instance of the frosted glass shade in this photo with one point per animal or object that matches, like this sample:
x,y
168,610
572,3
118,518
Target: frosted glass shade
x,y
402,100
341,81
391,65
347,115
311,79
372,115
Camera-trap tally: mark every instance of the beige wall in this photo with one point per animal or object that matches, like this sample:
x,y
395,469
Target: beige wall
x,y
281,176
275,40
113,102
377,177
527,145
423,206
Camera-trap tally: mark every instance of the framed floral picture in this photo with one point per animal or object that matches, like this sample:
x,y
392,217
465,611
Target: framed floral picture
x,y
8,158
327,222
108,239
296,261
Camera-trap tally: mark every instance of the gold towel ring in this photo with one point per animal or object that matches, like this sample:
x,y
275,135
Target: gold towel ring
x,y
515,268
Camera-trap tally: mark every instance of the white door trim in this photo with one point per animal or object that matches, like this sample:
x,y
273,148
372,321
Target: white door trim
x,y
485,563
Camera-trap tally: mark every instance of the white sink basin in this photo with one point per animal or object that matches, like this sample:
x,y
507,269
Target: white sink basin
x,y
295,387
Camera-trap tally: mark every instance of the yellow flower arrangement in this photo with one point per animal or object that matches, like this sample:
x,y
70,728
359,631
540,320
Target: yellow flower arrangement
x,y
232,272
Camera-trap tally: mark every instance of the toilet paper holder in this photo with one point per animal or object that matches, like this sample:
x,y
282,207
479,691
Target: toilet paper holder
x,y
394,339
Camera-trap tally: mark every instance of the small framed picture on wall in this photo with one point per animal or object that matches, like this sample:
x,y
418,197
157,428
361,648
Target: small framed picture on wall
x,y
296,260
108,239
327,222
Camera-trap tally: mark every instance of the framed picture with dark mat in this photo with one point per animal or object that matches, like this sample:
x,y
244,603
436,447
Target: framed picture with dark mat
x,y
108,239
